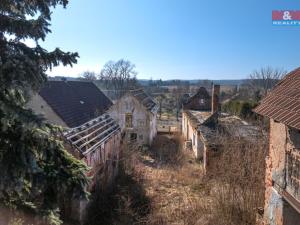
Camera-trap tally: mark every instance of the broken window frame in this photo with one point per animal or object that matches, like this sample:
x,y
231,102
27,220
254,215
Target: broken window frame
x,y
128,120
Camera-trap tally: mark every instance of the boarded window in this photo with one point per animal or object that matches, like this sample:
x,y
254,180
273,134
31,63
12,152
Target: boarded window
x,y
128,120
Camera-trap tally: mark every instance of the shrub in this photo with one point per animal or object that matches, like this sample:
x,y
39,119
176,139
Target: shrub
x,y
242,109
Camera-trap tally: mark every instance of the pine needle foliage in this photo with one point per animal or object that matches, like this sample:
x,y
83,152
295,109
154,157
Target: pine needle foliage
x,y
36,170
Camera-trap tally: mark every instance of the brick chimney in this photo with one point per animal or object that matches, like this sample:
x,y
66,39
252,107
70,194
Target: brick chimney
x,y
215,98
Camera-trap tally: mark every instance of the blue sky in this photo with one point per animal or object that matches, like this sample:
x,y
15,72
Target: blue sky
x,y
176,39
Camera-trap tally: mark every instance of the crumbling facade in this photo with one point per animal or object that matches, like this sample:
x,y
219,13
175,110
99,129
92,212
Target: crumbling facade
x,y
136,113
201,101
282,196
98,144
90,134
199,118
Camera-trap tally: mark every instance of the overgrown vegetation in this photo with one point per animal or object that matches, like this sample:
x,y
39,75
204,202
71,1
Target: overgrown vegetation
x,y
126,203
165,185
239,108
237,172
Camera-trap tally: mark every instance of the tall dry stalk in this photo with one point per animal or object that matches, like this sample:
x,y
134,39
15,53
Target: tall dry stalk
x,y
239,172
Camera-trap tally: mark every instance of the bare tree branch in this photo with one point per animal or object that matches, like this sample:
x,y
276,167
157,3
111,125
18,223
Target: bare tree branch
x,y
88,75
261,81
119,76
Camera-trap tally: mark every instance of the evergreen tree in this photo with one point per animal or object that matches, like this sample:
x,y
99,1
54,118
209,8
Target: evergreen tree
x,y
36,170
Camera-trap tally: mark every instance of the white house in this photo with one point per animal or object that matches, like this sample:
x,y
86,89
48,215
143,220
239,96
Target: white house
x,y
136,115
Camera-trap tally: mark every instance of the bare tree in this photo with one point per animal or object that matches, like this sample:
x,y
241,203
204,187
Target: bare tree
x,y
119,76
88,75
160,100
181,89
261,81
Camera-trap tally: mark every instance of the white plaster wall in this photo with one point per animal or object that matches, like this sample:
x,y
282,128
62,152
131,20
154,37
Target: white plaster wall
x,y
194,142
144,122
184,124
153,127
40,106
187,132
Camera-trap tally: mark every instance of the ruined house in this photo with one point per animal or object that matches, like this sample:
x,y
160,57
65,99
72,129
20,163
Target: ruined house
x,y
199,118
136,114
69,103
201,101
90,134
282,196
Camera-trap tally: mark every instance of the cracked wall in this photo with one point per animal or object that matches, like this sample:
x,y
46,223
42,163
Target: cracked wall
x,y
280,170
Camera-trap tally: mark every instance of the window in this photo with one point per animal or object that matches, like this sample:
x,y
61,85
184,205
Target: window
x,y
128,120
201,101
141,137
133,137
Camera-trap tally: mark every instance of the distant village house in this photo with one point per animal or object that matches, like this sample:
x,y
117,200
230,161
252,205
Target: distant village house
x,y
199,117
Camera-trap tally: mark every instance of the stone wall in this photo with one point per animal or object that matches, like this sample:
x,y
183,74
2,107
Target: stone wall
x,y
279,195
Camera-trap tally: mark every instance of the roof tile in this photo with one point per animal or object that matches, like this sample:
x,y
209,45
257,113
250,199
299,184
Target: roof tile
x,y
283,102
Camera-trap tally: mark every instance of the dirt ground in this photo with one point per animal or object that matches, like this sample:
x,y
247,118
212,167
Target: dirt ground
x,y
158,186
173,181
166,185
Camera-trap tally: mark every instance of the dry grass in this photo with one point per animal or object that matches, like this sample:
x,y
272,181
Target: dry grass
x,y
238,172
165,185
174,183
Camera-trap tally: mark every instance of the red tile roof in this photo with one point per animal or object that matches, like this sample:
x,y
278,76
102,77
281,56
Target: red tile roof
x,y
283,102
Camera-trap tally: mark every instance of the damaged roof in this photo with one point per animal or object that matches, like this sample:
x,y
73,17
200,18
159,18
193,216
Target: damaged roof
x,y
75,102
145,99
203,94
198,118
90,135
283,102
236,127
201,121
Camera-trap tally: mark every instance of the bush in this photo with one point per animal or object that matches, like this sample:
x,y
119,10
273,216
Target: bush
x,y
242,109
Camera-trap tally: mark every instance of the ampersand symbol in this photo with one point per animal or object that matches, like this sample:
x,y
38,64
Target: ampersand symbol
x,y
287,15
